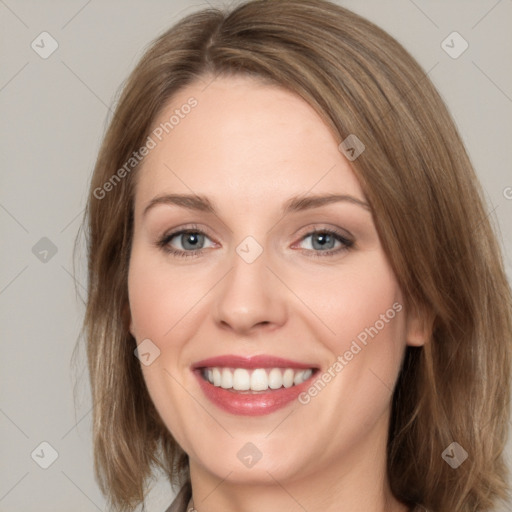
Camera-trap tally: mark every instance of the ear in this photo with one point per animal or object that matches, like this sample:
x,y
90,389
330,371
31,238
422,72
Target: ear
x,y
418,326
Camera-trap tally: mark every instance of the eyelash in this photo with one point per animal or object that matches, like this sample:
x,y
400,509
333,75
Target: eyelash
x,y
163,243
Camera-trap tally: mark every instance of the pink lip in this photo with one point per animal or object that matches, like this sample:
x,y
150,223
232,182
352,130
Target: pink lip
x,y
262,361
247,403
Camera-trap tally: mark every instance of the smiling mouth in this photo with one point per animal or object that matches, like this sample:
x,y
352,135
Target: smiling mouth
x,y
255,380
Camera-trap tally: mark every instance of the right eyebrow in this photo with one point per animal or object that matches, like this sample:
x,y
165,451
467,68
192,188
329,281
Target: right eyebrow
x,y
191,202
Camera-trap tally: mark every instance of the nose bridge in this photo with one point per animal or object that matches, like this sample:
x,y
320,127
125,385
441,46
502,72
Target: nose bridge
x,y
250,294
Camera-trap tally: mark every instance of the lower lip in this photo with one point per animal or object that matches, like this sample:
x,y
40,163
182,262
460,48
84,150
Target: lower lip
x,y
250,404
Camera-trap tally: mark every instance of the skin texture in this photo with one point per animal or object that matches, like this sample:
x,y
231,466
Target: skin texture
x,y
249,147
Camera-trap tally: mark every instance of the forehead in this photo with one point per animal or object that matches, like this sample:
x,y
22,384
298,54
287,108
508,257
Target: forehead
x,y
242,138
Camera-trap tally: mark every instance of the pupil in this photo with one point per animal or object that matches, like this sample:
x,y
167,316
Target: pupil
x,y
192,240
322,239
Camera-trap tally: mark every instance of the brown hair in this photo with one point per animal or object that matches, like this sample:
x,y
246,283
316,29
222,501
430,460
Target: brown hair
x,y
428,209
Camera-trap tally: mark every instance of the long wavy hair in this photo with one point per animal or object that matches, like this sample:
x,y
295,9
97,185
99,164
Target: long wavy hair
x,y
429,211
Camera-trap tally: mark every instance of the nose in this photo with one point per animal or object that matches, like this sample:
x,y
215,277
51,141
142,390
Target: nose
x,y
250,297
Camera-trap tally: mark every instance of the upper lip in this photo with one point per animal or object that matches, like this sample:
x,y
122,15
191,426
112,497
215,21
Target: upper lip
x,y
251,362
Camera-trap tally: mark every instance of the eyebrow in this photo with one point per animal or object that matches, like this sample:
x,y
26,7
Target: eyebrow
x,y
294,204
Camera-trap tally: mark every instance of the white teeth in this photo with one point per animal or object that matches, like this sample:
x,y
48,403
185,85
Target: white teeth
x,y
241,380
227,379
216,377
288,378
300,377
275,379
260,379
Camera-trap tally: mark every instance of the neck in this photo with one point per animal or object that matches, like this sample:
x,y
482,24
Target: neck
x,y
356,479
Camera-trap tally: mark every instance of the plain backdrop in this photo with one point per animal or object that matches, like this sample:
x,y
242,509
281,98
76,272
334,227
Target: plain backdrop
x,y
53,114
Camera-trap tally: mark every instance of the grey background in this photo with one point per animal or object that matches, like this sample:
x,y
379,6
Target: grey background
x,y
53,114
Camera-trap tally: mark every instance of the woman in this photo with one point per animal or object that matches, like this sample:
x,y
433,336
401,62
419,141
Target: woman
x,y
296,300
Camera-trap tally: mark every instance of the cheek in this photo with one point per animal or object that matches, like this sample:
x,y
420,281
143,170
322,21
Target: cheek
x,y
147,301
157,303
159,298
364,310
355,301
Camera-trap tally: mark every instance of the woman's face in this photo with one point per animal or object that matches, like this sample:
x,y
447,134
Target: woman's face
x,y
252,299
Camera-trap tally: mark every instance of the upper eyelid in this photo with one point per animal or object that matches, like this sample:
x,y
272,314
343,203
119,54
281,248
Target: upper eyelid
x,y
185,229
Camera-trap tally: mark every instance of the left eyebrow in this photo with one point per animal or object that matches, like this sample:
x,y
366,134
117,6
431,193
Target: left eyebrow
x,y
294,204
300,203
